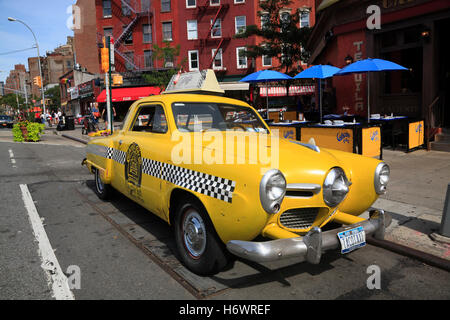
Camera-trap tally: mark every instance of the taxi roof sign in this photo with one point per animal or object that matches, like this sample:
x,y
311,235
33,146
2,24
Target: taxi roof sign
x,y
204,81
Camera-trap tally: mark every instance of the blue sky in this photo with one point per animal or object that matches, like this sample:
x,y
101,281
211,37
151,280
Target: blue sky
x,y
47,18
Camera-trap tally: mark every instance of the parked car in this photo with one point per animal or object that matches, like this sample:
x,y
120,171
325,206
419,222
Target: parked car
x,y
217,208
6,121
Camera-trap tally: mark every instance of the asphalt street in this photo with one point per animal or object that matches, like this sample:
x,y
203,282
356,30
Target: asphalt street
x,y
124,252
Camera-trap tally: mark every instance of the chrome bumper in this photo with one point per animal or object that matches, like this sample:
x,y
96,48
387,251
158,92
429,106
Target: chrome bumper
x,y
310,246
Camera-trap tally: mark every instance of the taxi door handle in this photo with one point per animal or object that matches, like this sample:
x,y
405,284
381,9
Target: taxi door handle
x,y
120,142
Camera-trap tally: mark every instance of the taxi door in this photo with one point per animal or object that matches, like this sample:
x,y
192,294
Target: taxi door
x,y
141,149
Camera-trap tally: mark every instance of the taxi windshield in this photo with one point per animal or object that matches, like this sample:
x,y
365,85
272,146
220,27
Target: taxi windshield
x,y
197,117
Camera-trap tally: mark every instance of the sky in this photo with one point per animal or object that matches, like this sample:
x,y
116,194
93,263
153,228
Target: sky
x,y
47,18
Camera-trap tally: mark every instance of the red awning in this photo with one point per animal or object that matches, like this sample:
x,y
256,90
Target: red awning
x,y
128,94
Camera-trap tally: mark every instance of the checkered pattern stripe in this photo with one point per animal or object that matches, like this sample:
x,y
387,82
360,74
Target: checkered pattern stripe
x,y
151,167
119,156
196,181
203,183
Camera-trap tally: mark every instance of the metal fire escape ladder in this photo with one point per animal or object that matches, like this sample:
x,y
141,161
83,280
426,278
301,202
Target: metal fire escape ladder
x,y
219,9
126,32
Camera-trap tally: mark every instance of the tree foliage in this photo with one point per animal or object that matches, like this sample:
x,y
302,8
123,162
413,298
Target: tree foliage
x,y
166,53
282,37
54,95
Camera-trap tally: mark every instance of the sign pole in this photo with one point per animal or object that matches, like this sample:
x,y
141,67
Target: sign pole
x,y
109,113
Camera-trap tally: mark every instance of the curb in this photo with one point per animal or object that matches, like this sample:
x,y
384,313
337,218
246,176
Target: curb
x,y
424,257
75,139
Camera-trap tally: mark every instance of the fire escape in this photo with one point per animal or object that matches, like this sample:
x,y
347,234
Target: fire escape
x,y
206,8
130,13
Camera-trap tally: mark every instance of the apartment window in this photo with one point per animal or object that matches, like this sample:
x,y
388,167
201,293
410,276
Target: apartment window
x,y
265,17
240,24
216,31
148,61
167,31
191,3
192,29
147,33
129,37
168,61
304,19
107,13
126,11
239,1
145,5
129,60
217,63
165,5
266,61
241,58
214,2
193,60
108,32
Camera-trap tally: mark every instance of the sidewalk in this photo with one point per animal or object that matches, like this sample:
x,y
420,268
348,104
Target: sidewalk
x,y
415,200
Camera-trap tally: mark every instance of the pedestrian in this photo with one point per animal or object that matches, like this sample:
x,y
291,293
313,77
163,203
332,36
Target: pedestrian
x,y
105,116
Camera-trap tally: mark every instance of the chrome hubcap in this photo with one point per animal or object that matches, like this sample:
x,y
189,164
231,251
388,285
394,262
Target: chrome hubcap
x,y
194,233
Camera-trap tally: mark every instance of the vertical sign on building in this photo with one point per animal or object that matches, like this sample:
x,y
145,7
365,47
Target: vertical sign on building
x,y
359,101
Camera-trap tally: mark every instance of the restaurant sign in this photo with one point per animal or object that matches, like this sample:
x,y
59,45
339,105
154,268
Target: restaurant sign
x,y
86,89
282,91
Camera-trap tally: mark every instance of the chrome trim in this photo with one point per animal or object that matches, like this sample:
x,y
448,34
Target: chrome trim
x,y
270,206
307,145
380,188
308,247
305,187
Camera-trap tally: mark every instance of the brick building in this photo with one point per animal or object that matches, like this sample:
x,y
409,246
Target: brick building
x,y
18,79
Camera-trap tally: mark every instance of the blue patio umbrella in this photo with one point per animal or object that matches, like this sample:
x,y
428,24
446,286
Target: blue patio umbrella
x,y
369,65
265,76
318,72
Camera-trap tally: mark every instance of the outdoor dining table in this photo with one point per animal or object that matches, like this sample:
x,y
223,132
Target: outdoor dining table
x,y
364,139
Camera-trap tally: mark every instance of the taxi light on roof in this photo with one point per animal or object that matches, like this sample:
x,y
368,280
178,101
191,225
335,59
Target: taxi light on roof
x,y
204,81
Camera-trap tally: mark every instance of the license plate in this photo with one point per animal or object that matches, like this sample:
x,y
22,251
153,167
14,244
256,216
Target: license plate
x,y
352,239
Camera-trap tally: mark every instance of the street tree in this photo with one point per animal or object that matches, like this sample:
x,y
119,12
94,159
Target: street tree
x,y
282,36
54,94
169,55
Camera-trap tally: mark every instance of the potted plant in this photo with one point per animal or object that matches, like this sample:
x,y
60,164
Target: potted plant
x,y
27,131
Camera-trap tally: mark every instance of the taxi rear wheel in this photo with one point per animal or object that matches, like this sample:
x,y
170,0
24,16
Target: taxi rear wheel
x,y
199,247
102,190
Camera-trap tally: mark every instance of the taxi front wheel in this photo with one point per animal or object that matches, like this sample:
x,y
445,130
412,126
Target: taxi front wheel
x,y
200,248
102,190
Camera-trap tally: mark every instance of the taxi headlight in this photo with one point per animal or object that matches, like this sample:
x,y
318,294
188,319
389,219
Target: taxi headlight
x,y
335,187
272,190
381,179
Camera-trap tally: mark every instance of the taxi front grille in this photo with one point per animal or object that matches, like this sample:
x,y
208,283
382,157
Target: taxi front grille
x,y
300,218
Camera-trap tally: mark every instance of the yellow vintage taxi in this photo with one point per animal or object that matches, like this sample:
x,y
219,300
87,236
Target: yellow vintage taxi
x,y
213,170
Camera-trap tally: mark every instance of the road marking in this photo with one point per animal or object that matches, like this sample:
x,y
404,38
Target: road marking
x,y
11,154
55,276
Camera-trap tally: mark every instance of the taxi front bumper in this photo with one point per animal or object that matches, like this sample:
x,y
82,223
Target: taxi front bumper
x,y
311,246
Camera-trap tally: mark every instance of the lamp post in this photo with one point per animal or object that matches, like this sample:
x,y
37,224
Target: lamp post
x,y
39,59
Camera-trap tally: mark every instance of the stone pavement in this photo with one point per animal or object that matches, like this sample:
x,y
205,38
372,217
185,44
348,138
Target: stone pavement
x,y
415,197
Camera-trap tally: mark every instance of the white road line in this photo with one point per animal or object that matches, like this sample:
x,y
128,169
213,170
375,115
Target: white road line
x,y
13,161
11,154
55,276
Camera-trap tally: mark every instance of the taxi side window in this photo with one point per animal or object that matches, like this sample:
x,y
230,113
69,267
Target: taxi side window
x,y
150,119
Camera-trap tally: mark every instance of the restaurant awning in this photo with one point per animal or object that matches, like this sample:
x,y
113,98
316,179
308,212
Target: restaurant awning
x,y
128,94
281,91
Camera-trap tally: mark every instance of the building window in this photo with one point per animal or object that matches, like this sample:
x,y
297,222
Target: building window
x,y
192,29
148,61
107,13
126,11
241,58
168,61
216,30
145,5
167,31
191,3
239,1
193,60
108,32
265,19
129,61
165,5
240,24
304,19
129,36
266,61
214,2
147,33
217,63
